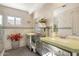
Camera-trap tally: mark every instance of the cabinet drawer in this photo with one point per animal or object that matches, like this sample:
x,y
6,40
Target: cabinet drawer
x,y
47,46
60,52
57,51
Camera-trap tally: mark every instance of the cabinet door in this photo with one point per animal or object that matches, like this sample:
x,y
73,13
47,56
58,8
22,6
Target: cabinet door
x,y
27,40
60,52
55,50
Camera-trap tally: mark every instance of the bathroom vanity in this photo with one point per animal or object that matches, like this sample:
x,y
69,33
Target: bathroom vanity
x,y
62,46
30,41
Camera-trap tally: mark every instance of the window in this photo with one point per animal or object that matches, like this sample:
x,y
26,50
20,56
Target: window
x,y
18,21
11,20
14,20
1,19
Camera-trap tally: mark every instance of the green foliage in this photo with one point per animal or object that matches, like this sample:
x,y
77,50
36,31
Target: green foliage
x,y
43,20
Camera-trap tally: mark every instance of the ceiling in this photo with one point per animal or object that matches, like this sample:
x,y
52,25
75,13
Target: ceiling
x,y
67,6
29,7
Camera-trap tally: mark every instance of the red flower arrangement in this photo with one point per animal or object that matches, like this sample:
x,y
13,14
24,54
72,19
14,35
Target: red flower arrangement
x,y
15,37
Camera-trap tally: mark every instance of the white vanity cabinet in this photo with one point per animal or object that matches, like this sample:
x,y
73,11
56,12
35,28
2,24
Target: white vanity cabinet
x,y
29,40
56,51
32,41
43,50
48,47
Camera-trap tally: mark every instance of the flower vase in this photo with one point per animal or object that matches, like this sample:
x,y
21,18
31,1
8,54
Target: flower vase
x,y
15,44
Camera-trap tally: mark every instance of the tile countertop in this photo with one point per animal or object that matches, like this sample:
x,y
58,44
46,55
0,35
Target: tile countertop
x,y
71,45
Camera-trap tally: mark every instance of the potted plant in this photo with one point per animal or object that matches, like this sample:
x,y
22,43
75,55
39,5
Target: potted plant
x,y
15,38
42,20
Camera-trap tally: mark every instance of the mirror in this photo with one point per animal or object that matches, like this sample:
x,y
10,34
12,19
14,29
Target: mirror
x,y
67,21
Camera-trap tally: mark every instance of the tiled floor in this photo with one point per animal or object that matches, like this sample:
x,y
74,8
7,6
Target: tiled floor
x,y
24,51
